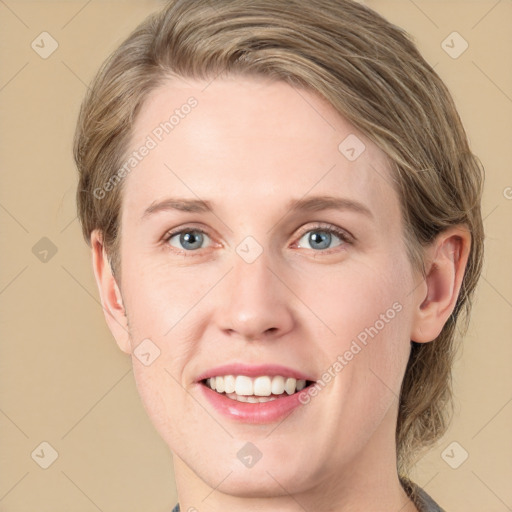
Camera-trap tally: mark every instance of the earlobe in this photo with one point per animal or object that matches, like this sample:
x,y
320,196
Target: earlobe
x,y
447,258
110,294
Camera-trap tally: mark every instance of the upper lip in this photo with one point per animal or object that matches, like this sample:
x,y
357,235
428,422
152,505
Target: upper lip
x,y
254,371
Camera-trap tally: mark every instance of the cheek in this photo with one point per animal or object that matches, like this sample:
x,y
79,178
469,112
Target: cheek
x,y
367,308
155,386
352,297
159,296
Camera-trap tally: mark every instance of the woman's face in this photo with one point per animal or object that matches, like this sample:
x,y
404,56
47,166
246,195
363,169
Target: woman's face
x,y
322,289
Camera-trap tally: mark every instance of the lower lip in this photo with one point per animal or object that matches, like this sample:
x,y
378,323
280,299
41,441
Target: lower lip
x,y
258,413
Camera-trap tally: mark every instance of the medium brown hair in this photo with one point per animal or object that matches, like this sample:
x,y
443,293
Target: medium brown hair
x,y
371,72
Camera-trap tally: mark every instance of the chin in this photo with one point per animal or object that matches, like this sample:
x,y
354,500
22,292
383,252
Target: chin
x,y
257,483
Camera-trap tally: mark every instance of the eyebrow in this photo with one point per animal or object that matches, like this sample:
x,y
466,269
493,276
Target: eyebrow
x,y
319,203
183,205
312,204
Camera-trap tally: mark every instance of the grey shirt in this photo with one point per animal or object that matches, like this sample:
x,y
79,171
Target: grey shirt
x,y
423,502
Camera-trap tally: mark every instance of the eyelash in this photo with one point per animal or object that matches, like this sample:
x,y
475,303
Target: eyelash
x,y
326,228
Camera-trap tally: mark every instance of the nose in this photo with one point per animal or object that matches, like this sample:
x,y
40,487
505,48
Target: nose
x,y
255,302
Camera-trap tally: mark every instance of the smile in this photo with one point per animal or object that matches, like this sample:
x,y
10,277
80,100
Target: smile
x,y
255,389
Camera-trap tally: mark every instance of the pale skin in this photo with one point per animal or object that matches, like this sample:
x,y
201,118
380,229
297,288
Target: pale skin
x,y
250,147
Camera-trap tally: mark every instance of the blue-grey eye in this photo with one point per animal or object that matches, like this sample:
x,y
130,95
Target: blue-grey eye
x,y
189,240
320,239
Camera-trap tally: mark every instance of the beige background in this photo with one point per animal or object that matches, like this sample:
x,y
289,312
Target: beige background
x,y
62,378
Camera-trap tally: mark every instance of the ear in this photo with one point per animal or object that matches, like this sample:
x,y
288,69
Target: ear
x,y
446,260
110,294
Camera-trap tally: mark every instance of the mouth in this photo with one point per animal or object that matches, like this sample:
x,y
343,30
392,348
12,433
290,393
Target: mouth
x,y
255,394
259,389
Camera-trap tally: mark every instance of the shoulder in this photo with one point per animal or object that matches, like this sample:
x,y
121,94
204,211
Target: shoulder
x,y
423,502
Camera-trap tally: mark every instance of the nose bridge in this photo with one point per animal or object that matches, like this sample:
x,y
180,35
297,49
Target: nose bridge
x,y
251,278
255,303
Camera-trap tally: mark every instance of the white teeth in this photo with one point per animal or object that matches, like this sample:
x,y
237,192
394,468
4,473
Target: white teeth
x,y
229,384
219,384
252,399
262,386
290,385
278,385
301,384
241,386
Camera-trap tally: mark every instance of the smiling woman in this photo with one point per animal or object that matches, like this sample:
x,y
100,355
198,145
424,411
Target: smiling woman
x,y
291,256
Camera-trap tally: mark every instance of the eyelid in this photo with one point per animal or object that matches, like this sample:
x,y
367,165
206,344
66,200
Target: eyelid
x,y
345,235
187,227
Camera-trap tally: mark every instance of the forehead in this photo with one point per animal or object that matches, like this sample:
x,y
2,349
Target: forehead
x,y
245,141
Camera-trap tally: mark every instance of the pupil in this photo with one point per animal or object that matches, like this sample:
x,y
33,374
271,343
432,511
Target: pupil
x,y
324,239
193,238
